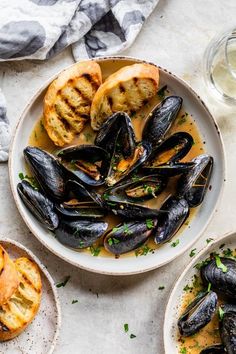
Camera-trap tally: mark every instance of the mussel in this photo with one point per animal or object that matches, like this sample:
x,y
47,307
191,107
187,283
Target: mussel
x,y
128,236
214,349
49,173
160,120
80,233
120,123
164,159
198,313
175,212
81,203
88,163
228,332
221,273
38,204
193,185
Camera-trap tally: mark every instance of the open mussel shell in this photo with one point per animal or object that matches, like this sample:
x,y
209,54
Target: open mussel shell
x,y
214,349
172,149
198,313
121,167
88,163
117,124
175,212
221,281
171,169
80,192
228,332
128,236
49,173
160,120
38,204
80,233
136,189
193,185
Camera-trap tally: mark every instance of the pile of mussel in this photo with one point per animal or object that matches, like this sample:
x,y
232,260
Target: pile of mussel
x,y
82,184
218,275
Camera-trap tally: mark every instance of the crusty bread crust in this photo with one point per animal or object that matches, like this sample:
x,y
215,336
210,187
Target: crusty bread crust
x,y
125,90
9,279
22,307
68,100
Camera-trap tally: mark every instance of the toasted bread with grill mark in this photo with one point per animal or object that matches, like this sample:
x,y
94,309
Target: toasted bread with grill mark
x,y
127,90
21,308
9,279
68,100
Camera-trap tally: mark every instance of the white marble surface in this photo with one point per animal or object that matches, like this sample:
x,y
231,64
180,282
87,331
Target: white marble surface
x,y
175,37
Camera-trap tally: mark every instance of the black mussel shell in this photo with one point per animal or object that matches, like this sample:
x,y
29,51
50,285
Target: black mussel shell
x,y
171,150
128,236
121,167
117,124
222,282
136,189
80,233
170,170
198,313
176,212
49,173
228,332
160,120
74,189
214,349
88,163
193,185
38,204
80,210
229,307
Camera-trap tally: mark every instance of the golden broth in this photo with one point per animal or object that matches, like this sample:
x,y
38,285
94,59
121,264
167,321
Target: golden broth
x,y
184,122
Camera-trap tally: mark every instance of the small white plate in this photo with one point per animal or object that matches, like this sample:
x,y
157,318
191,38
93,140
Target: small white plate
x,y
172,311
41,335
127,265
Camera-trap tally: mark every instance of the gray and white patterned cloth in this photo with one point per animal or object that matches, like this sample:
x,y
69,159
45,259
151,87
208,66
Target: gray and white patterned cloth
x,y
39,29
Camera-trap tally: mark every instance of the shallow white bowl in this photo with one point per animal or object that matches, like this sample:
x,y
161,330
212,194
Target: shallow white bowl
x,y
174,302
129,265
41,336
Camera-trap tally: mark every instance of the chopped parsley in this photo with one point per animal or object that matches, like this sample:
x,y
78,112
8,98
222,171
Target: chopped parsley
x,y
41,126
143,251
95,251
113,241
228,252
182,121
219,264
192,253
105,196
29,179
132,336
221,313
208,240
183,350
74,301
161,287
201,264
126,229
149,224
209,287
87,136
175,243
63,283
126,327
161,92
187,288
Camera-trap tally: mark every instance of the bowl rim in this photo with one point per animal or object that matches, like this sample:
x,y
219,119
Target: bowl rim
x,y
185,270
48,276
181,82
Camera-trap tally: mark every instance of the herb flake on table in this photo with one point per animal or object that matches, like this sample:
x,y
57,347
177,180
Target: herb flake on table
x,y
161,287
63,283
126,327
132,336
74,302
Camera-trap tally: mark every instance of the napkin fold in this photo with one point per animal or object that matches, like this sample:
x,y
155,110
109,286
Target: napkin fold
x,y
40,29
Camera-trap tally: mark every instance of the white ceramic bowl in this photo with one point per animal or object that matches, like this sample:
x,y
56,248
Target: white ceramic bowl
x,y
41,336
127,265
174,301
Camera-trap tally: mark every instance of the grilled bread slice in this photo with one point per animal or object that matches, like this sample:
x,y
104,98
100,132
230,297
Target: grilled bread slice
x,y
21,308
9,279
68,100
126,90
